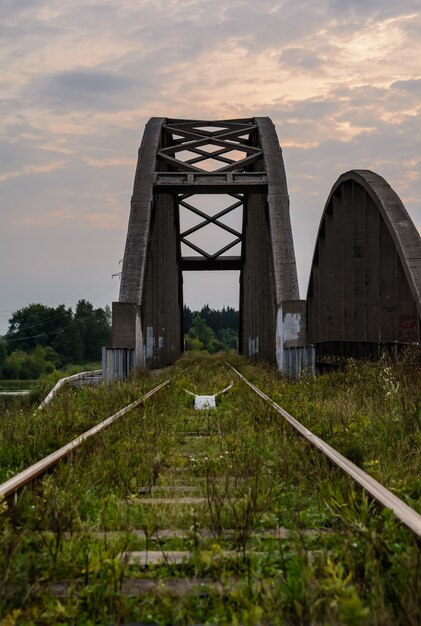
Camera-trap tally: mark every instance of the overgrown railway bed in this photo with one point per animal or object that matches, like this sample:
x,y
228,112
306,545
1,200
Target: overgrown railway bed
x,y
228,515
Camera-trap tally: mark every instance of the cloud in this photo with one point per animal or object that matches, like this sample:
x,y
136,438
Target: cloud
x,y
410,86
80,89
301,58
78,81
363,9
33,169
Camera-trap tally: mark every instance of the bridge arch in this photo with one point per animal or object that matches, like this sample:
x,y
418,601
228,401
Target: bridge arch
x,y
365,280
178,161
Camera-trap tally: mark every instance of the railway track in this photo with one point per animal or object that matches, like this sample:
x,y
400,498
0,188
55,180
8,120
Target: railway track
x,y
173,515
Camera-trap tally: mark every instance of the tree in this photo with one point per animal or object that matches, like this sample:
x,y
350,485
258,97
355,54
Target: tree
x,y
13,365
37,363
74,338
228,337
24,365
210,329
37,324
201,336
3,355
94,326
187,319
68,345
217,320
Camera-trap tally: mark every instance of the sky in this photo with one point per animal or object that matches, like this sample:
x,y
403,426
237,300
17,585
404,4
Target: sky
x,y
341,80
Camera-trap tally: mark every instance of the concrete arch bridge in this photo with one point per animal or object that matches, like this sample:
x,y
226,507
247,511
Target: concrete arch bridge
x,y
212,195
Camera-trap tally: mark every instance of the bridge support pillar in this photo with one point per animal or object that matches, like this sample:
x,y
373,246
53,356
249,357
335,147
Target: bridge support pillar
x,y
127,329
257,293
153,329
291,338
162,308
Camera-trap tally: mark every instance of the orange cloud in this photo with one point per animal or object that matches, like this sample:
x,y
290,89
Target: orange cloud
x,y
103,220
34,169
109,162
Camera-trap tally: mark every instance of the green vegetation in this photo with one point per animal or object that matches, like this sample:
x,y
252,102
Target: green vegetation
x,y
17,385
370,412
41,339
217,320
271,532
211,330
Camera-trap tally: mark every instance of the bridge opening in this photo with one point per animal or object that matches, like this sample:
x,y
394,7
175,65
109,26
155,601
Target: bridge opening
x,y
218,291
210,236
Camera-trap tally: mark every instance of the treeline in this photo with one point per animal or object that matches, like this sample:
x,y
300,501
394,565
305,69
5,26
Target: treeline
x,y
216,319
211,329
42,338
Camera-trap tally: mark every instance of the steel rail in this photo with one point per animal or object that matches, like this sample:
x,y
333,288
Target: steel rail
x,y
386,498
65,380
26,476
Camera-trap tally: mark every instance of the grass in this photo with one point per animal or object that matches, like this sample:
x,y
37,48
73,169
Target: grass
x,y
340,559
16,385
370,412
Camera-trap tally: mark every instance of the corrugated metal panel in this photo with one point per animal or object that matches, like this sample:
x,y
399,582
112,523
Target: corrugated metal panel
x,y
117,363
299,361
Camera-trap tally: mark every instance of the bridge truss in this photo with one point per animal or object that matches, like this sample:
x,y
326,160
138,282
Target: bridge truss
x,y
194,177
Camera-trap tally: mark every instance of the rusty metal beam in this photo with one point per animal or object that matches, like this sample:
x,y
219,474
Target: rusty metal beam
x,y
197,263
210,182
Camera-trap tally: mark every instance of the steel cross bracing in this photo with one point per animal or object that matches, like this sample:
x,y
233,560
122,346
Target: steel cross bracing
x,y
211,149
